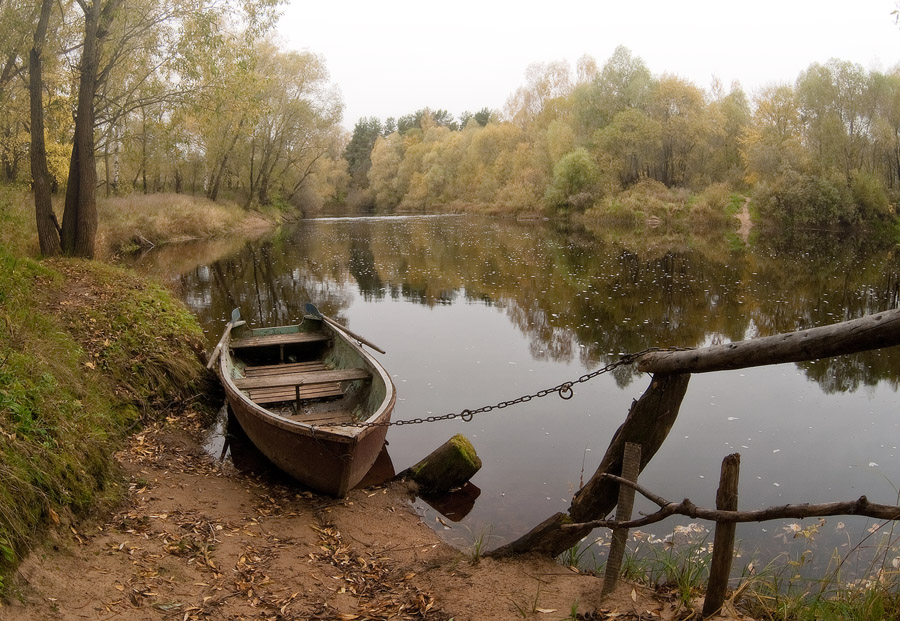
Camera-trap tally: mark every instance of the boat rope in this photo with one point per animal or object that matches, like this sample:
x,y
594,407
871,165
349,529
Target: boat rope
x,y
564,391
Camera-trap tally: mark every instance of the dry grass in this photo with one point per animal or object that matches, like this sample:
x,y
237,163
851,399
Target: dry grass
x,y
18,230
131,222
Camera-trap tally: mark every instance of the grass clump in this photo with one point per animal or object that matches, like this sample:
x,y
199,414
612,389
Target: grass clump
x,y
648,202
18,231
144,342
780,590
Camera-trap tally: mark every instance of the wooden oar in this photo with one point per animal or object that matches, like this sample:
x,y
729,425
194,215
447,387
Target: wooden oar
x,y
312,310
235,322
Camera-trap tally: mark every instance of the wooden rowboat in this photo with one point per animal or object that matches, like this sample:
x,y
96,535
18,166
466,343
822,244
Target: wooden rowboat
x,y
297,391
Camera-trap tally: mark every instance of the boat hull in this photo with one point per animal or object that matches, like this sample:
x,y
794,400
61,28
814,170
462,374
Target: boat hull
x,y
320,460
328,459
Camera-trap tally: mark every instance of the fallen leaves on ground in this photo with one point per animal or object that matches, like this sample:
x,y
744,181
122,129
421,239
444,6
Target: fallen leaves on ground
x,y
381,592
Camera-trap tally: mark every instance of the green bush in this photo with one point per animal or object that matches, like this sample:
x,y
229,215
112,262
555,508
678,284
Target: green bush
x,y
574,184
796,199
869,195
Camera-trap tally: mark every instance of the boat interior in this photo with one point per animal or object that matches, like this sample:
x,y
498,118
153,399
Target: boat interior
x,y
290,375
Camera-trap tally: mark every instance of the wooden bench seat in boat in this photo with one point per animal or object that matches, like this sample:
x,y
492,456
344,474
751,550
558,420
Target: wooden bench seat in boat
x,y
302,378
296,381
322,418
279,339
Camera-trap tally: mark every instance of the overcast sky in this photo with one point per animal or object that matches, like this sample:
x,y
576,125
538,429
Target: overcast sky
x,y
392,57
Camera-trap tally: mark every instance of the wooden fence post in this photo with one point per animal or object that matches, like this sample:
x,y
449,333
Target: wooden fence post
x,y
723,541
631,467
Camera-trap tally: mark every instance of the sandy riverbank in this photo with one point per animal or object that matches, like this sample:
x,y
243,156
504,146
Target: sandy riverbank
x,y
197,539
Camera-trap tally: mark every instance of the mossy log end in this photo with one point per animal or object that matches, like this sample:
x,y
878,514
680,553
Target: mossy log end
x,y
449,466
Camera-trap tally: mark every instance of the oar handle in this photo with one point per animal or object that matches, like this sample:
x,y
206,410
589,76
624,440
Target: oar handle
x,y
353,334
218,350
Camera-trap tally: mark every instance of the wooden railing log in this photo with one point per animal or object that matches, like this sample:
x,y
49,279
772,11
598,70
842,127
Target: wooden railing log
x,y
847,337
860,506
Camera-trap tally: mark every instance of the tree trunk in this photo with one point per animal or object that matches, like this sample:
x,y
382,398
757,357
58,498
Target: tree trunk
x,y
47,225
106,175
80,216
216,183
144,150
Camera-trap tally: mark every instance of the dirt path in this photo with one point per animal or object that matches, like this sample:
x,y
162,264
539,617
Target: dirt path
x,y
744,218
199,540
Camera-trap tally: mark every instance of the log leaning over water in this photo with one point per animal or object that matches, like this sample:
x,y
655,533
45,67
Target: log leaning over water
x,y
848,337
648,424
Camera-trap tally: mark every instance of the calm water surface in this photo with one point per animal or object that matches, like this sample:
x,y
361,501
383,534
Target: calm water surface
x,y
474,311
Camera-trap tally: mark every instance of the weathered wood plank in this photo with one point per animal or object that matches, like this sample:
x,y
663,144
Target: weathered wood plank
x,y
279,369
289,393
847,337
723,543
279,339
301,379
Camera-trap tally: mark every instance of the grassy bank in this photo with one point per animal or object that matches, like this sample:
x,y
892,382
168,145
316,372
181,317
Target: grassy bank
x,y
88,352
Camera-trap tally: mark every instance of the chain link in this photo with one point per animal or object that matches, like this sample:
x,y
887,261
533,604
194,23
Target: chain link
x,y
564,391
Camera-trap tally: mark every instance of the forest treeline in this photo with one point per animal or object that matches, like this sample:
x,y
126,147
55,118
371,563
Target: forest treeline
x,y
102,98
824,151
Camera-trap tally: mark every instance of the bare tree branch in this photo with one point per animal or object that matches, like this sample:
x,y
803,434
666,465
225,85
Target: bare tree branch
x,y
861,506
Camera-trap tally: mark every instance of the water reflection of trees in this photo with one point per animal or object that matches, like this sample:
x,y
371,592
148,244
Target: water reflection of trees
x,y
575,293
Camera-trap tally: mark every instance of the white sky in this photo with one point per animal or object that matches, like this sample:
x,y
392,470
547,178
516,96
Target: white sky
x,y
392,57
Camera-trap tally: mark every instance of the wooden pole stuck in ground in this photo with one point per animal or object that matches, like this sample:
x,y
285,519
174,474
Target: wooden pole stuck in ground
x,y
723,541
631,466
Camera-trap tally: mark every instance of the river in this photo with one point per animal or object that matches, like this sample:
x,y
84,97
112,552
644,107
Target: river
x,y
474,311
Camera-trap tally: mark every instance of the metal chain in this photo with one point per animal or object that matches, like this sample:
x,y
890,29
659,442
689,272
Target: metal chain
x,y
564,391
